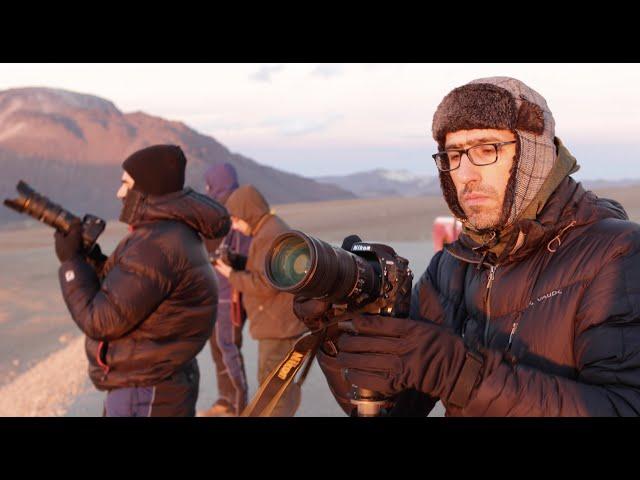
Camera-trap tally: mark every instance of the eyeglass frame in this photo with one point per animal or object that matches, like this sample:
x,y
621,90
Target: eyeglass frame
x,y
465,151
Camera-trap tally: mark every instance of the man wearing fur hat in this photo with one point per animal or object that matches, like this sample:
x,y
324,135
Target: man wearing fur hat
x,y
535,309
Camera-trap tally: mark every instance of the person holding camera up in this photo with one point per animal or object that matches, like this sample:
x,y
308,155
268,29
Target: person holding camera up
x,y
534,310
226,340
150,307
270,312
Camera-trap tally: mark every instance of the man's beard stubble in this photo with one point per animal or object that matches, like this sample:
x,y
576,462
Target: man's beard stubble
x,y
481,217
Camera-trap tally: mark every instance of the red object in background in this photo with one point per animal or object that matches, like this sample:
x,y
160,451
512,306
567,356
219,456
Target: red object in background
x,y
444,230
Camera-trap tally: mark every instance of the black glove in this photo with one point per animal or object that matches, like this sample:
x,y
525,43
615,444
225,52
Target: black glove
x,y
389,355
96,255
70,244
96,258
316,314
312,312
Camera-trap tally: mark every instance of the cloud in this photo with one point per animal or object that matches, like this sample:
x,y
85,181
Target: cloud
x,y
290,126
327,70
265,72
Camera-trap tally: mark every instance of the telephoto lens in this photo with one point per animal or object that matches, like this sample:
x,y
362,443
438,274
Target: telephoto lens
x,y
303,265
44,210
41,208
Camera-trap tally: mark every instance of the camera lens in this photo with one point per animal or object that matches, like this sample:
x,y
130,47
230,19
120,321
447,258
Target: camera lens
x,y
290,262
41,208
303,265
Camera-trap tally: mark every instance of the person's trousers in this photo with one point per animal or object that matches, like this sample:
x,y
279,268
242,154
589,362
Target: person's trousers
x,y
270,353
226,344
174,397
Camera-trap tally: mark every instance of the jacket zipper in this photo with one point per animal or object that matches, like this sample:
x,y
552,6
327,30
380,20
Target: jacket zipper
x,y
487,302
514,328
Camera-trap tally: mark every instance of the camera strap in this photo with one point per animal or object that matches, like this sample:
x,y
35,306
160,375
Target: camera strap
x,y
300,357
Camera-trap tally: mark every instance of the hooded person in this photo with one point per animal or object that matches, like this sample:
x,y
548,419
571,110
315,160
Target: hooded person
x,y
271,319
149,308
221,180
533,310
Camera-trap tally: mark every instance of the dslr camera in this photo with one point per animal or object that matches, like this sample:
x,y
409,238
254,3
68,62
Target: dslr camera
x,y
228,256
363,276
359,276
44,210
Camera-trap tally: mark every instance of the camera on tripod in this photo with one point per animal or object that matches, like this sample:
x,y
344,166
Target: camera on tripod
x,y
360,276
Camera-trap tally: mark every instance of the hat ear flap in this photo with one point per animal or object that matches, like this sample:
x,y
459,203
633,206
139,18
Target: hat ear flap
x,y
530,118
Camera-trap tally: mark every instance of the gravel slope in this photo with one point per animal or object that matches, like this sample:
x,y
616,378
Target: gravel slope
x,y
48,388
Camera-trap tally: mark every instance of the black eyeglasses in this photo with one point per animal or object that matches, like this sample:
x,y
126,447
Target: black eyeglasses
x,y
479,155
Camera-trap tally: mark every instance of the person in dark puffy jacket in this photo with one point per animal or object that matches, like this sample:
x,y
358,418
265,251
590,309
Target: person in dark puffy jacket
x,y
226,340
270,312
150,307
534,310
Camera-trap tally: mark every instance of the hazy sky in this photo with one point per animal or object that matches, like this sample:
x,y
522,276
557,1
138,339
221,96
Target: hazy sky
x,y
322,119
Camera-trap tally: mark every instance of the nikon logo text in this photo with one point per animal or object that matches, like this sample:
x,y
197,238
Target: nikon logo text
x,y
361,248
293,362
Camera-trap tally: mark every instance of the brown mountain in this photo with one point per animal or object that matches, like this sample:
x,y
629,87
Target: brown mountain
x,y
70,146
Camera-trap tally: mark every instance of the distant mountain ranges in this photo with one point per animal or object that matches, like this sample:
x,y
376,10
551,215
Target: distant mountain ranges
x,y
386,183
402,183
70,147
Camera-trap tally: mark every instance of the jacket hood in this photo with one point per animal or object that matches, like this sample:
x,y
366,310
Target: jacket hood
x,y
248,204
198,211
222,180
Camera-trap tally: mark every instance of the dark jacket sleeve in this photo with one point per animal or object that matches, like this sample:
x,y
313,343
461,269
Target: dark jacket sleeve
x,y
132,289
97,260
212,244
606,348
425,303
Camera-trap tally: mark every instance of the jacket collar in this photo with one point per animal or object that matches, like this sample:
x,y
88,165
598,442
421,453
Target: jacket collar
x,y
561,205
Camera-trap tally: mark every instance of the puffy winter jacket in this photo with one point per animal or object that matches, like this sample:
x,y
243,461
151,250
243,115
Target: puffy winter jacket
x,y
155,306
558,318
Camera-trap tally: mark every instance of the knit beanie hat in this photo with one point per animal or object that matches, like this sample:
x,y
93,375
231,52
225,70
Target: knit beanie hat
x,y
157,170
501,103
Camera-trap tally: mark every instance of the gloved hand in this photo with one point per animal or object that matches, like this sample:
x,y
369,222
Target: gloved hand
x,y
69,245
96,255
389,355
312,312
315,314
96,258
